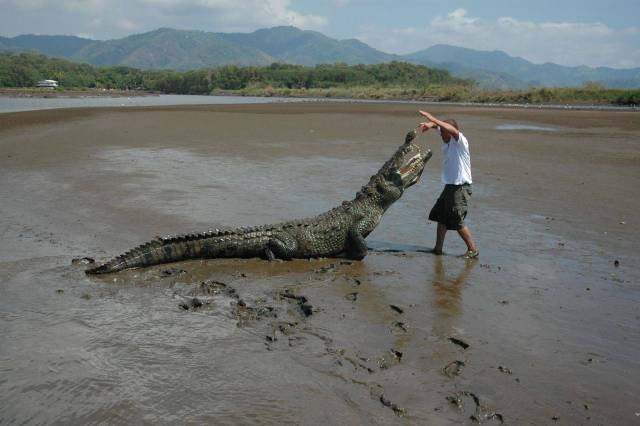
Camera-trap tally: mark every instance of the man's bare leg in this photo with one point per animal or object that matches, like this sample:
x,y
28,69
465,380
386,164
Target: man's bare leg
x,y
440,234
465,233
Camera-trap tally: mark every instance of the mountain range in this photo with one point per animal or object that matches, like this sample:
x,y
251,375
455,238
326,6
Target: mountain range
x,y
167,48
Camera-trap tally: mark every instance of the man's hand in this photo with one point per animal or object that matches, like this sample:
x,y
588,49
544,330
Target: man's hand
x,y
429,116
426,126
443,125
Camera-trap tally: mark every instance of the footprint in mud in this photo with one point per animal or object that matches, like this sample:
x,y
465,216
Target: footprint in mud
x,y
400,412
504,370
377,392
396,309
199,296
453,369
388,360
324,269
172,272
358,363
294,334
351,296
592,358
469,403
193,303
459,342
399,327
251,314
301,301
205,293
247,314
294,330
354,281
281,328
212,287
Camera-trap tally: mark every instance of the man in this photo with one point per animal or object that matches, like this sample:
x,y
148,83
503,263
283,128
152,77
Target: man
x,y
451,208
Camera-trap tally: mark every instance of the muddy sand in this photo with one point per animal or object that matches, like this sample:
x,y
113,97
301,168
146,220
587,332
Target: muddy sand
x,y
543,329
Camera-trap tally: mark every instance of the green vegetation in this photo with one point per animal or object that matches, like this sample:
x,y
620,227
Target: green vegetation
x,y
454,93
392,80
25,69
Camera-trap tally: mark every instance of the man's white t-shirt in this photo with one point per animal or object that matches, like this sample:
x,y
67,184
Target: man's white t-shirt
x,y
456,161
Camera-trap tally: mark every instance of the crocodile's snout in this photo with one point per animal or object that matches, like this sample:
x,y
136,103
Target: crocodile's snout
x,y
411,135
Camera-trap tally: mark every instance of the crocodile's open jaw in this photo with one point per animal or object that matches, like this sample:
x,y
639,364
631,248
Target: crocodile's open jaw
x,y
412,164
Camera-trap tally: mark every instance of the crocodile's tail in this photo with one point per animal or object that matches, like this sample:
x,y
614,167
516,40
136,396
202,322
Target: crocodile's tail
x,y
211,244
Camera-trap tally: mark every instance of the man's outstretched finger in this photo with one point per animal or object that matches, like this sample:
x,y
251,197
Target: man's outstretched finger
x,y
426,114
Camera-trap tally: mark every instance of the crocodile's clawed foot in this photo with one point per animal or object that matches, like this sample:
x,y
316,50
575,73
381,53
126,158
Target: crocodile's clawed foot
x,y
269,254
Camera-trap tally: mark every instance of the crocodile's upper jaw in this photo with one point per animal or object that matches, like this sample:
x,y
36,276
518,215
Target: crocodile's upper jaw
x,y
409,165
411,171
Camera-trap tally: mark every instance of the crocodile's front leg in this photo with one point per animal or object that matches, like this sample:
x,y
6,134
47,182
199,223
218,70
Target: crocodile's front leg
x,y
281,245
356,247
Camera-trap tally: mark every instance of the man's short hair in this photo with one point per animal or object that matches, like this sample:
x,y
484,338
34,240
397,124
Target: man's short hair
x,y
453,122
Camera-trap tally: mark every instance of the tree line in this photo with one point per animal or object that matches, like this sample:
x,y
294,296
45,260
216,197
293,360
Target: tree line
x,y
392,80
26,69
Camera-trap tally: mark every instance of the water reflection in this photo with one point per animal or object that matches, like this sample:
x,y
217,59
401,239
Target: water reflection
x,y
447,292
518,126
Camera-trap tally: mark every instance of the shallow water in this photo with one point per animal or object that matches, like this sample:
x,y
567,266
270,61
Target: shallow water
x,y
552,324
15,104
518,126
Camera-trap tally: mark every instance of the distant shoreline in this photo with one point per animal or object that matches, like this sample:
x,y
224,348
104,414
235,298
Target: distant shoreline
x,y
551,97
28,92
314,97
297,96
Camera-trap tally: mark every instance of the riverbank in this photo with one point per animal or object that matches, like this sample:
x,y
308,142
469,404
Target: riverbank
x,y
543,97
541,329
11,104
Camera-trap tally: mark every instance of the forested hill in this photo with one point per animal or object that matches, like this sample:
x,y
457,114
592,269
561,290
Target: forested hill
x,y
392,80
512,72
167,48
25,69
182,50
56,45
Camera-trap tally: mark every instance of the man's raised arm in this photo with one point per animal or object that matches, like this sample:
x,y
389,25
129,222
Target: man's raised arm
x,y
442,124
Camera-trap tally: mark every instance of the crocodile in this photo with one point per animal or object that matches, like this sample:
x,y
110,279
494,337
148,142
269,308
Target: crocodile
x,y
339,232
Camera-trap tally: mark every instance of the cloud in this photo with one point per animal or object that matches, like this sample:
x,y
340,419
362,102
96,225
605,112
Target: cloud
x,y
231,15
126,24
62,5
118,18
566,43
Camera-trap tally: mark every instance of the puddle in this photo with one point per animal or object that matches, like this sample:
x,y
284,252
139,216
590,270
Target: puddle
x,y
518,126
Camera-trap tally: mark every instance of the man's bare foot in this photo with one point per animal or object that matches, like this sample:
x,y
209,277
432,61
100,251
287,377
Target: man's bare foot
x,y
471,254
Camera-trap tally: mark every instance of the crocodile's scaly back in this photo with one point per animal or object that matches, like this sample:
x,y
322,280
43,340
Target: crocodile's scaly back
x,y
340,231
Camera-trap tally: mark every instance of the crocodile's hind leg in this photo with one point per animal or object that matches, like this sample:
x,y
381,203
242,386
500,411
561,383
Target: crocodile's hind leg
x,y
280,246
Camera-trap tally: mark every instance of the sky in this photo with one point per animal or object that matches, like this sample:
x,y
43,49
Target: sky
x,y
566,32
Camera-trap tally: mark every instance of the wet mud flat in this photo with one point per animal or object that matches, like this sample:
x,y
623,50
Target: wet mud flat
x,y
542,329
